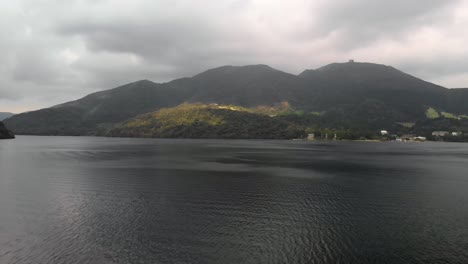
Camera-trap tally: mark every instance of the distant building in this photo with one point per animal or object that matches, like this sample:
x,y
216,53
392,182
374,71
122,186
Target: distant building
x,y
440,133
384,132
351,61
457,134
311,136
410,137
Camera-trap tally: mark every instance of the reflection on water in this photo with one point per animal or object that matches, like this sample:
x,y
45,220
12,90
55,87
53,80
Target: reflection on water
x,y
102,200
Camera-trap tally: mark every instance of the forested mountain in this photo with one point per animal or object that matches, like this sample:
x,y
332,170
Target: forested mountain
x,y
206,121
457,100
84,116
246,86
4,115
345,84
362,96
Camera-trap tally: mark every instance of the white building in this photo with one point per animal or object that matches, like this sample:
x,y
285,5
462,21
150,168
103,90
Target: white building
x,y
440,133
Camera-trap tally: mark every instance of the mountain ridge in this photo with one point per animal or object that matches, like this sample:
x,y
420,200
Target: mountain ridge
x,y
205,121
340,90
5,115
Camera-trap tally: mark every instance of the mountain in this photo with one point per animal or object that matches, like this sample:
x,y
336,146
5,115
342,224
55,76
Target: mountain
x,y
456,100
351,83
206,121
4,115
358,96
5,133
246,86
84,116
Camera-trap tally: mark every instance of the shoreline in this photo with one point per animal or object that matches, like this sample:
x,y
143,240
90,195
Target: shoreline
x,y
273,139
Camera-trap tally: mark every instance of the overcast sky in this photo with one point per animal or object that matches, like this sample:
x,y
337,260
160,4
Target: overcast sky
x,y
53,51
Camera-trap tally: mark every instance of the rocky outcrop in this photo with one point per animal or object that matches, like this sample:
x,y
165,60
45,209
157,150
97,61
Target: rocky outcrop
x,y
5,133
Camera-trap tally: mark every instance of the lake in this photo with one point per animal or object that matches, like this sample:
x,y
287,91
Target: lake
x,y
111,200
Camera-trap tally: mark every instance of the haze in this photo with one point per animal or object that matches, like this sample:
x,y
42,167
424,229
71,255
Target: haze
x,y
54,51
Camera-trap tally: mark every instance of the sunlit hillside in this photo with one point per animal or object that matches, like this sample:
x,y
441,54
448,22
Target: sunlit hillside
x,y
206,121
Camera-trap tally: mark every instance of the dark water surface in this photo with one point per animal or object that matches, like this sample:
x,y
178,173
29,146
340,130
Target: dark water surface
x,y
102,200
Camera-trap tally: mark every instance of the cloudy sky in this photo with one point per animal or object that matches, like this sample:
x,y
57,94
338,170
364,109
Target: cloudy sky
x,y
53,51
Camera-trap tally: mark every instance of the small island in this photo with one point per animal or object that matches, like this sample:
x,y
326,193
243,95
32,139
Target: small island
x,y
5,133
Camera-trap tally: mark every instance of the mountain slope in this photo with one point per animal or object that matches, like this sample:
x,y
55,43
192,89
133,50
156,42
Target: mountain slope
x,y
84,116
348,95
350,83
5,133
457,101
206,121
4,115
246,86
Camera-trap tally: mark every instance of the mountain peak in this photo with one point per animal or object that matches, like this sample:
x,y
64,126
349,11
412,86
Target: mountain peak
x,y
140,83
330,88
357,71
357,66
229,69
5,115
340,67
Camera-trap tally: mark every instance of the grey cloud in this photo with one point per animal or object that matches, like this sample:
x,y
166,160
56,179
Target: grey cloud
x,y
171,48
446,65
149,40
382,13
358,22
53,51
34,66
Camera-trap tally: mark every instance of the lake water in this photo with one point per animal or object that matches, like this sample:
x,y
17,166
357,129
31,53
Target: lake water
x,y
107,200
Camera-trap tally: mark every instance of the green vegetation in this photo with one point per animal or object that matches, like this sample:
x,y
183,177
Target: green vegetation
x,y
363,121
431,113
206,121
406,124
449,115
230,121
426,127
274,110
351,97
